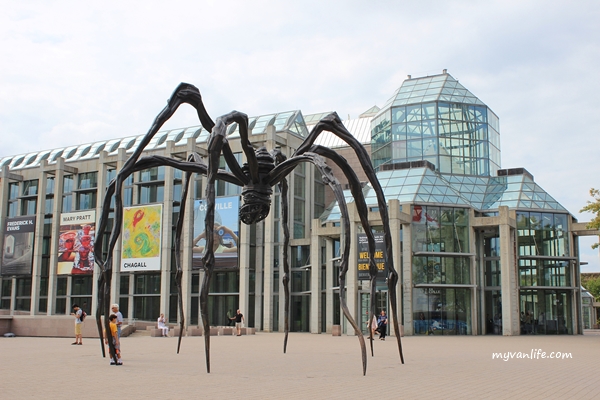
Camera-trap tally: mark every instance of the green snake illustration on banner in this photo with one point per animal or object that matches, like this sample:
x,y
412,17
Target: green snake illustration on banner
x,y
141,238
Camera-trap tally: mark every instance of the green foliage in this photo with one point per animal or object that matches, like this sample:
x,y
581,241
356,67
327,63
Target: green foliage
x,y
592,284
593,207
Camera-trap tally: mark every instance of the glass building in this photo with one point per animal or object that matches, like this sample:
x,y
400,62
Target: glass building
x,y
479,249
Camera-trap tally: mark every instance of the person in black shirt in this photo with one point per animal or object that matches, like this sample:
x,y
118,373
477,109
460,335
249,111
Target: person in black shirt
x,y
239,318
382,325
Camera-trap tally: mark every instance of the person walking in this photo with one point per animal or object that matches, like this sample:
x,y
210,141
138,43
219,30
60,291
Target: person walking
x,y
239,318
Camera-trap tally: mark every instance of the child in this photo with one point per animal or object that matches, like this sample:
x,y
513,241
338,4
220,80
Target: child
x,y
115,340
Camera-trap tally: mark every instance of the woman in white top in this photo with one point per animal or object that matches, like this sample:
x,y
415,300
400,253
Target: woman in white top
x,y
163,326
373,325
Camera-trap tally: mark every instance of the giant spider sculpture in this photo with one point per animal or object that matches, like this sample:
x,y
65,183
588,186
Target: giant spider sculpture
x,y
257,176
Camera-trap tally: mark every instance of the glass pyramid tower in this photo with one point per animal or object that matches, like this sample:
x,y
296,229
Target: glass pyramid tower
x,y
436,119
436,143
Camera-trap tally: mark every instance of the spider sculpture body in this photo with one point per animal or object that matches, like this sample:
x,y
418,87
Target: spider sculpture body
x,y
257,176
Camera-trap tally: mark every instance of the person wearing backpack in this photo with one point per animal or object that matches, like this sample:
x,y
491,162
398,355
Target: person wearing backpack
x,y
78,313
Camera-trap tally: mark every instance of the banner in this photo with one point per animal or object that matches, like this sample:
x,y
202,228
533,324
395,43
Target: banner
x,y
142,238
17,250
363,256
76,243
225,234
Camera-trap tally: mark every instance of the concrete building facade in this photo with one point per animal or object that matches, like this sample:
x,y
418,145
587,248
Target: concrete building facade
x,y
479,249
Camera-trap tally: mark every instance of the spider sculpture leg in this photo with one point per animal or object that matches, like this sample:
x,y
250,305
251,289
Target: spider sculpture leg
x,y
198,167
333,124
278,174
195,158
184,93
216,143
361,206
279,158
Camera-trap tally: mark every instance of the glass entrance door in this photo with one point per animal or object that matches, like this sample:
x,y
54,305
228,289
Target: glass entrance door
x,y
546,312
300,313
493,312
381,299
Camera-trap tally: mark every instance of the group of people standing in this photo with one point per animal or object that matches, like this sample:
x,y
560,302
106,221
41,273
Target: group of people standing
x,y
116,321
379,325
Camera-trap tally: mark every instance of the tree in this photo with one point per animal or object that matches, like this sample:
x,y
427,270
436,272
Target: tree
x,y
593,207
592,284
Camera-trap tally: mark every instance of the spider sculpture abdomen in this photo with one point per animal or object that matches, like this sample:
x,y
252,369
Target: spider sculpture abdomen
x,y
257,195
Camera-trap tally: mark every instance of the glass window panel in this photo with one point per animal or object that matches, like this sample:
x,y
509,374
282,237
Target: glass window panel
x,y
28,206
399,131
413,113
153,174
124,285
48,206
414,148
147,284
399,114
493,120
444,127
413,130
86,201
428,128
81,286
398,151
30,188
13,191
68,184
61,286
440,311
88,180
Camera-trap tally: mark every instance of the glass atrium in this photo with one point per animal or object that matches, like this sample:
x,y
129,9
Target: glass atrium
x,y
437,119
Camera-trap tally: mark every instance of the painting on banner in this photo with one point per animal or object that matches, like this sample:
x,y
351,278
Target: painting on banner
x,y
76,243
225,234
17,250
142,238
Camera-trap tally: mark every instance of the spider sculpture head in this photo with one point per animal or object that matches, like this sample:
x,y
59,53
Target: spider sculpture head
x,y
257,196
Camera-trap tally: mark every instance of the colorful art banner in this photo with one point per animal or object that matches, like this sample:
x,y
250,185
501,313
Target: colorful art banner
x,y
76,243
363,256
225,234
142,238
17,249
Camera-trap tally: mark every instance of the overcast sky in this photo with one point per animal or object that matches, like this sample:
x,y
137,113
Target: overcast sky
x,y
76,72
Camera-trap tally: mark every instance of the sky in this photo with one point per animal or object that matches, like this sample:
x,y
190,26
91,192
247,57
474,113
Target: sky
x,y
75,72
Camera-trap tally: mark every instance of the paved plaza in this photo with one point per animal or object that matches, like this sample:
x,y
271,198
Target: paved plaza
x,y
315,367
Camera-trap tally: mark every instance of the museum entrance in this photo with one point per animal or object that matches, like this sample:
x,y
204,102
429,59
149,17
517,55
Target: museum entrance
x,y
381,303
300,313
493,312
546,312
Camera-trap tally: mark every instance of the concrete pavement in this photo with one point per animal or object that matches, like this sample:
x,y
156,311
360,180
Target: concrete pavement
x,y
315,367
